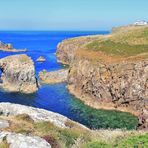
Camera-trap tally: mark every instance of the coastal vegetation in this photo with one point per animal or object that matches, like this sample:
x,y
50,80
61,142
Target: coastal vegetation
x,y
74,135
129,42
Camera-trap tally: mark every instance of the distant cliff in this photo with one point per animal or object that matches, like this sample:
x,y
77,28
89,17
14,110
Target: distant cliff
x,y
18,74
111,71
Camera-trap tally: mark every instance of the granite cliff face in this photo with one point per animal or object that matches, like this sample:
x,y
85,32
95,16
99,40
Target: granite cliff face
x,y
121,86
18,74
112,72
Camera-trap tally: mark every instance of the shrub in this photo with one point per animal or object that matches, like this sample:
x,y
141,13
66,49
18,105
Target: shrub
x,y
51,140
24,117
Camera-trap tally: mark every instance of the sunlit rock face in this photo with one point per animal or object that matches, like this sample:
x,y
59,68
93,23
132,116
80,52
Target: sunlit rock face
x,y
105,82
18,74
54,77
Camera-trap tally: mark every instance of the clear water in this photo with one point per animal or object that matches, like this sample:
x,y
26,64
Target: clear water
x,y
56,97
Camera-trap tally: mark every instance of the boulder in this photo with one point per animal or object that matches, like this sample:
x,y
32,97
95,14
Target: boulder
x,y
23,141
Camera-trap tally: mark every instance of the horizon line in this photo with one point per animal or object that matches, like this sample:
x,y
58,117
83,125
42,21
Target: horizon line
x,y
57,30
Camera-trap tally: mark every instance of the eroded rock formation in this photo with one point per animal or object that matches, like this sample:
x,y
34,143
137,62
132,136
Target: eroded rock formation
x,y
121,86
54,76
105,81
18,74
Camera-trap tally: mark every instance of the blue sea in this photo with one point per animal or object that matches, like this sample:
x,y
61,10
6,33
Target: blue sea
x,y
56,97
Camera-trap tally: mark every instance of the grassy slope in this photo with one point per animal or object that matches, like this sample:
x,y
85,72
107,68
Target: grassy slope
x,y
74,135
125,42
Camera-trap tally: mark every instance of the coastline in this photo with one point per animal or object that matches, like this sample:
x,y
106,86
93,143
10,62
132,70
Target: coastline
x,y
97,105
120,86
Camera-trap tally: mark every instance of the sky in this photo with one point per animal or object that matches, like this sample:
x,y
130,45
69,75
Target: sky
x,y
70,14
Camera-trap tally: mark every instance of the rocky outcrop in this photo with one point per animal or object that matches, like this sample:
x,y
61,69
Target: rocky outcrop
x,y
18,74
4,124
9,48
67,48
23,141
121,86
114,82
41,59
38,115
54,76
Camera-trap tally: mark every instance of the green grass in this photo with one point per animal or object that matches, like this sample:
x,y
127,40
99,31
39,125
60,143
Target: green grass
x,y
97,144
122,49
125,41
134,142
66,136
139,141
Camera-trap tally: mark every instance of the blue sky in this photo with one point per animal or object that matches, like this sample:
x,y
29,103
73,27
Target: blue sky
x,y
70,14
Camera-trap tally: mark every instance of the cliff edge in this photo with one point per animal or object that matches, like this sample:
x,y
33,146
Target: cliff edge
x,y
110,71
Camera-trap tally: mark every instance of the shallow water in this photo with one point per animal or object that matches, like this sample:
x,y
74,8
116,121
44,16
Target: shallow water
x,y
56,97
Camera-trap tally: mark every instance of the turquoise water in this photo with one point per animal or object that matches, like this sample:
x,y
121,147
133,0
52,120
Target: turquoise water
x,y
56,97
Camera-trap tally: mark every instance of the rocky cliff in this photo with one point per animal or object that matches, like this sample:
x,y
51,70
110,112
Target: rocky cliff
x,y
67,48
18,74
111,72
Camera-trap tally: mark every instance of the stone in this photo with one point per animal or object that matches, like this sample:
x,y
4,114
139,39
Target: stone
x,y
41,59
9,48
4,124
54,76
18,74
23,141
9,109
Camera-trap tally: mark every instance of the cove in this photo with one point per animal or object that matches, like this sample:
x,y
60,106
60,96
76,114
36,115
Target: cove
x,y
56,97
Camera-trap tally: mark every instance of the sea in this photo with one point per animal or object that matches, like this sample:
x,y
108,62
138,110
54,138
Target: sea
x,y
56,97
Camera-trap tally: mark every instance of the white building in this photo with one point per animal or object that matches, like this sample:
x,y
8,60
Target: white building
x,y
141,23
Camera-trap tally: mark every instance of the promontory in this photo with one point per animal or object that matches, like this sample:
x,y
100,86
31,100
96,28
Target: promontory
x,y
110,71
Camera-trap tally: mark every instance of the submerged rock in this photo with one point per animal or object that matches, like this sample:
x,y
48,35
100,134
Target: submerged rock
x,y
18,74
41,59
54,76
